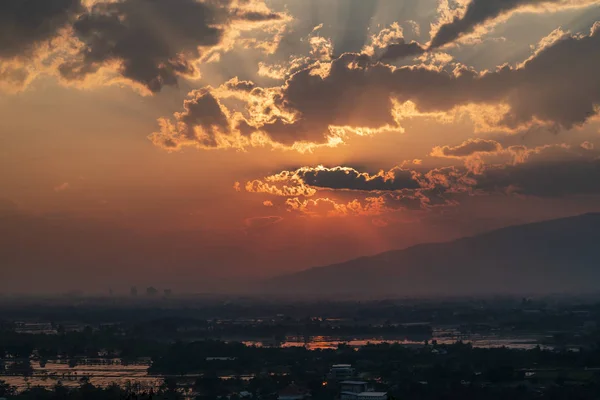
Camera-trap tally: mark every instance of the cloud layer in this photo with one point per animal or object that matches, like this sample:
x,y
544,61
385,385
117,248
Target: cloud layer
x,y
24,24
154,42
467,148
558,87
479,12
145,43
544,171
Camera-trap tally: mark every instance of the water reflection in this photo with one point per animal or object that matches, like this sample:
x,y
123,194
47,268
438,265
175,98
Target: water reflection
x,y
104,372
441,336
99,372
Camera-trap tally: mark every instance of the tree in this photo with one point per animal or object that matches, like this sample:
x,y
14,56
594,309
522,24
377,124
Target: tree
x,y
6,389
151,291
20,367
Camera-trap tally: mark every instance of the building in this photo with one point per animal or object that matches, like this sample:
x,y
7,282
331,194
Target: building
x,y
293,392
341,372
359,390
353,386
372,396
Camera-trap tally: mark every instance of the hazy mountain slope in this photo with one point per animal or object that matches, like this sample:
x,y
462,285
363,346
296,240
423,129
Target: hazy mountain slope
x,y
560,255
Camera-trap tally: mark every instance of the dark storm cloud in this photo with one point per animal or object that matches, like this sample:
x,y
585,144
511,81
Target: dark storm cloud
x,y
349,178
153,40
26,23
545,171
344,191
559,86
468,148
479,12
399,184
550,171
400,50
306,181
556,179
347,96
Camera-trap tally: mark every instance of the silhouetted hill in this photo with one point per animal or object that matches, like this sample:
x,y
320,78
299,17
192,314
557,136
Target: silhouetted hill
x,y
554,256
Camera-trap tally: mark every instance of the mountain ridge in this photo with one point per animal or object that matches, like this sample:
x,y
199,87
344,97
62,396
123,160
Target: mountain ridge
x,y
558,255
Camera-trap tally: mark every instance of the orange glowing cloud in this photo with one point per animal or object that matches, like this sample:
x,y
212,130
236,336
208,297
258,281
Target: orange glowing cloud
x,y
147,45
469,21
325,207
318,191
358,95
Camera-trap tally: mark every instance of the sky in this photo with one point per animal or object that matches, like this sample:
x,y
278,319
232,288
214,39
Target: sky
x,y
199,144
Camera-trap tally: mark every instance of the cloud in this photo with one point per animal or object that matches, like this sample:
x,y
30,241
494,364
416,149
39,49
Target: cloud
x,y
284,184
205,122
544,171
369,205
152,43
14,75
548,171
401,189
306,181
389,44
557,87
480,154
479,12
326,207
62,187
349,178
577,177
313,191
467,148
415,27
321,48
34,37
25,24
402,49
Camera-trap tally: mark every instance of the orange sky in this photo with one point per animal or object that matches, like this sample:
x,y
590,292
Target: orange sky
x,y
190,141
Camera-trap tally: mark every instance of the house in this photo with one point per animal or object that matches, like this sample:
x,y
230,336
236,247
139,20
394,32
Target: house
x,y
372,396
353,386
341,371
359,390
